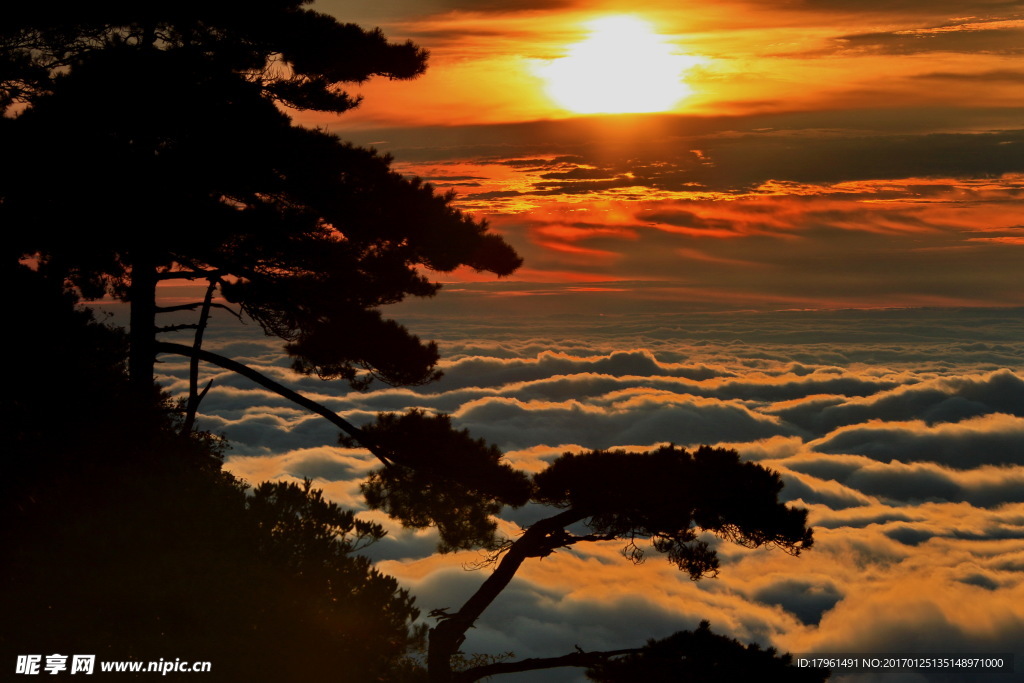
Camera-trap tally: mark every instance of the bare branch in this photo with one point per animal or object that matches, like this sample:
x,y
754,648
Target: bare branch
x,y
280,389
206,390
194,396
194,306
491,558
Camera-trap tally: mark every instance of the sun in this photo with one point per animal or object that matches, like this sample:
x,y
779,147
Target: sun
x,y
622,67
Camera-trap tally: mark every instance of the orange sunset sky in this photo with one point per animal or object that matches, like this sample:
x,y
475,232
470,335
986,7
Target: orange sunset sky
x,y
800,154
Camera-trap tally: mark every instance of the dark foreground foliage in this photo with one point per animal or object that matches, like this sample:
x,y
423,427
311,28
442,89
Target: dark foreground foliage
x,y
126,540
701,656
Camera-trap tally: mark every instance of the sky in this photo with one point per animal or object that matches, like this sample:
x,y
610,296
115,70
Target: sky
x,y
827,154
806,244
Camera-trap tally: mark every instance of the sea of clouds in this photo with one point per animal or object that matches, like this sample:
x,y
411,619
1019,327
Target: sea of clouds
x,y
901,431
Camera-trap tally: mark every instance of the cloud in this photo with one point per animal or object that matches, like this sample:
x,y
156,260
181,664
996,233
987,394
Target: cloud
x,y
906,482
995,76
749,159
261,432
933,400
777,250
896,429
996,36
729,153
685,420
898,7
980,486
489,371
804,490
322,464
807,598
497,6
798,230
926,614
858,518
404,545
908,535
993,439
671,137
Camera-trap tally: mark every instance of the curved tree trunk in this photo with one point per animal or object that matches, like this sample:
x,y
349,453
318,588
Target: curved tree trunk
x,y
446,638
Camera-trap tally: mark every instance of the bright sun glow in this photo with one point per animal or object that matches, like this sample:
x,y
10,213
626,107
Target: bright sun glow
x,y
622,67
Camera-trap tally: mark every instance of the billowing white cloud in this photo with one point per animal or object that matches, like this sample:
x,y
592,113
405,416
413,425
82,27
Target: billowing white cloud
x,y
908,454
993,439
624,418
941,399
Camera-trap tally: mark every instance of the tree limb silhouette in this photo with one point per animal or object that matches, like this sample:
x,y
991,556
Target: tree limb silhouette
x,y
193,306
216,359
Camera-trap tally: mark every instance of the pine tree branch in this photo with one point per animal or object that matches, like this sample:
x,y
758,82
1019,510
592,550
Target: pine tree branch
x,y
576,659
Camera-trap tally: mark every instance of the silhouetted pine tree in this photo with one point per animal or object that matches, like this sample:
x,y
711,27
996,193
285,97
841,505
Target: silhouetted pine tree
x,y
154,146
